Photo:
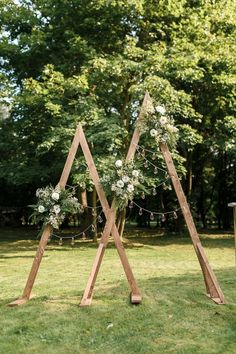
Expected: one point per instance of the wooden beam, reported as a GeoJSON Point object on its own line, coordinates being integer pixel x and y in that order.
{"type": "Point", "coordinates": [47, 229]}
{"type": "Point", "coordinates": [213, 289]}
{"type": "Point", "coordinates": [110, 228]}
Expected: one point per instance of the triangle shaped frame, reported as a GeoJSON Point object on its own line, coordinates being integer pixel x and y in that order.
{"type": "Point", "coordinates": [213, 289]}
{"type": "Point", "coordinates": [80, 139]}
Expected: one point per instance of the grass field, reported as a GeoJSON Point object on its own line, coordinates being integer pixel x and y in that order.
{"type": "Point", "coordinates": [174, 317]}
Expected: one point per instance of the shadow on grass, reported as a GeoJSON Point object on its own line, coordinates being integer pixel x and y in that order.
{"type": "Point", "coordinates": [189, 287]}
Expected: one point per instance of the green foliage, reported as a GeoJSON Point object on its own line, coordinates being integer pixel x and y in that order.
{"type": "Point", "coordinates": [91, 62]}
{"type": "Point", "coordinates": [54, 205]}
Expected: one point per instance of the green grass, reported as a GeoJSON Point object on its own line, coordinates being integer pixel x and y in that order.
{"type": "Point", "coordinates": [174, 317]}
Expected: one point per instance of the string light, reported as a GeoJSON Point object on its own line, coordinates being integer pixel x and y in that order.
{"type": "Point", "coordinates": [152, 217]}
{"type": "Point", "coordinates": [153, 213]}
{"type": "Point", "coordinates": [131, 204]}
{"type": "Point", "coordinates": [154, 192]}
{"type": "Point", "coordinates": [143, 195]}
{"type": "Point", "coordinates": [100, 219]}
{"type": "Point", "coordinates": [83, 233]}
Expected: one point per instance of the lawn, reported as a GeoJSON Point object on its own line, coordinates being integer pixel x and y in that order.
{"type": "Point", "coordinates": [174, 317]}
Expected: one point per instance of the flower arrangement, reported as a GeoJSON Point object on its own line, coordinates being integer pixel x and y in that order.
{"type": "Point", "coordinates": [160, 125]}
{"type": "Point", "coordinates": [53, 205]}
{"type": "Point", "coordinates": [122, 182]}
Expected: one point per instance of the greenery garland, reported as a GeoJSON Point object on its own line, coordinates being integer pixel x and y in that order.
{"type": "Point", "coordinates": [160, 125]}
{"type": "Point", "coordinates": [53, 205]}
{"type": "Point", "coordinates": [122, 182]}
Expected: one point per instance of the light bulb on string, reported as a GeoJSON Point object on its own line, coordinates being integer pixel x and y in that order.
{"type": "Point", "coordinates": [163, 217]}
{"type": "Point", "coordinates": [154, 192]}
{"type": "Point", "coordinates": [131, 204]}
{"type": "Point", "coordinates": [93, 228]}
{"type": "Point", "coordinates": [143, 152]}
{"type": "Point", "coordinates": [143, 195]}
{"type": "Point", "coordinates": [175, 216]}
{"type": "Point", "coordinates": [155, 170]}
{"type": "Point", "coordinates": [60, 243]}
{"type": "Point", "coordinates": [93, 211]}
{"type": "Point", "coordinates": [153, 157]}
{"type": "Point", "coordinates": [140, 211]}
{"type": "Point", "coordinates": [145, 164]}
{"type": "Point", "coordinates": [72, 241]}
{"type": "Point", "coordinates": [152, 217]}
{"type": "Point", "coordinates": [100, 219]}
{"type": "Point", "coordinates": [83, 236]}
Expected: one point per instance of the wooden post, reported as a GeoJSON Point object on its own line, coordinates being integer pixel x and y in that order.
{"type": "Point", "coordinates": [47, 229]}
{"type": "Point", "coordinates": [212, 286]}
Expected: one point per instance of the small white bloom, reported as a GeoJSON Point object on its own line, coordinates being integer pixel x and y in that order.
{"type": "Point", "coordinates": [130, 188]}
{"type": "Point", "coordinates": [163, 120]}
{"type": "Point", "coordinates": [41, 209]}
{"type": "Point", "coordinates": [125, 179]}
{"type": "Point", "coordinates": [160, 109]}
{"type": "Point", "coordinates": [120, 183]}
{"type": "Point", "coordinates": [56, 209]}
{"type": "Point", "coordinates": [135, 173]}
{"type": "Point", "coordinates": [153, 132]}
{"type": "Point", "coordinates": [55, 195]}
{"type": "Point", "coordinates": [113, 187]}
{"type": "Point", "coordinates": [118, 163]}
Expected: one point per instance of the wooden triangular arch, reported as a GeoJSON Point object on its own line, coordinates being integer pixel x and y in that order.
{"type": "Point", "coordinates": [79, 139]}
{"type": "Point", "coordinates": [212, 286]}
{"type": "Point", "coordinates": [213, 289]}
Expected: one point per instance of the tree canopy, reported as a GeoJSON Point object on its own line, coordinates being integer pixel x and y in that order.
{"type": "Point", "coordinates": [69, 61]}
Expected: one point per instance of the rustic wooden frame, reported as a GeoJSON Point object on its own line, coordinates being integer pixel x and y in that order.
{"type": "Point", "coordinates": [213, 289]}
{"type": "Point", "coordinates": [79, 139]}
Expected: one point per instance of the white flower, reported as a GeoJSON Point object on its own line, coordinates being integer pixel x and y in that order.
{"type": "Point", "coordinates": [55, 195]}
{"type": "Point", "coordinates": [41, 209]}
{"type": "Point", "coordinates": [118, 163]}
{"type": "Point", "coordinates": [113, 187]}
{"type": "Point", "coordinates": [135, 173]}
{"type": "Point", "coordinates": [130, 188]}
{"type": "Point", "coordinates": [56, 209]}
{"type": "Point", "coordinates": [163, 120]}
{"type": "Point", "coordinates": [120, 183]}
{"type": "Point", "coordinates": [160, 109]}
{"type": "Point", "coordinates": [125, 179]}
{"type": "Point", "coordinates": [153, 132]}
